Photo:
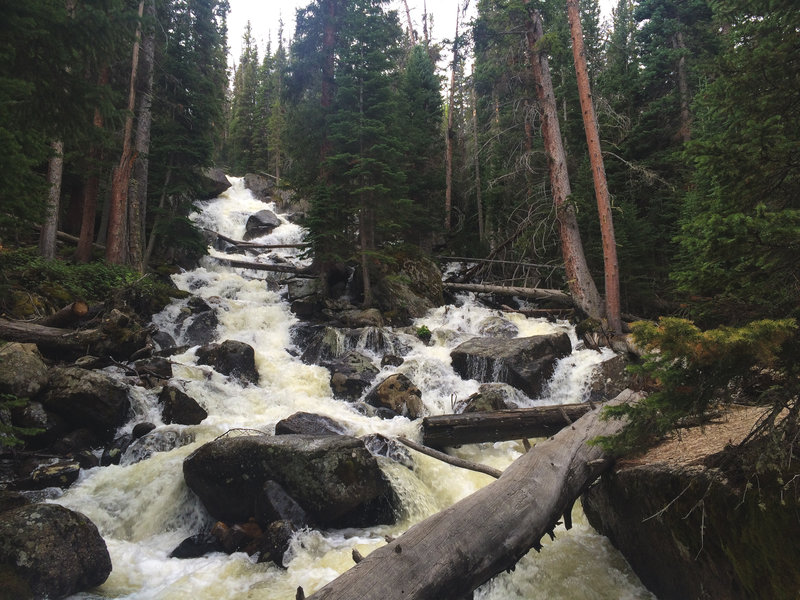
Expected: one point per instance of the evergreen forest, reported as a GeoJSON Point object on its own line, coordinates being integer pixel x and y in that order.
{"type": "Point", "coordinates": [685, 204]}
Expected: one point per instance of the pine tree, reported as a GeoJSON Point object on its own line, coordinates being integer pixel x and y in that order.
{"type": "Point", "coordinates": [243, 146]}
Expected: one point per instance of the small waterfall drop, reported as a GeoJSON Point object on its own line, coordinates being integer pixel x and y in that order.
{"type": "Point", "coordinates": [144, 510]}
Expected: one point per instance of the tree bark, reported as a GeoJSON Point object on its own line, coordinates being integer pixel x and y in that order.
{"type": "Point", "coordinates": [55, 168]}
{"type": "Point", "coordinates": [118, 226]}
{"type": "Point", "coordinates": [137, 191]}
{"type": "Point", "coordinates": [610, 263]}
{"type": "Point", "coordinates": [499, 425]}
{"type": "Point", "coordinates": [683, 88]}
{"type": "Point", "coordinates": [448, 555]}
{"type": "Point", "coordinates": [448, 157]}
{"type": "Point", "coordinates": [579, 279]}
{"type": "Point", "coordinates": [478, 184]}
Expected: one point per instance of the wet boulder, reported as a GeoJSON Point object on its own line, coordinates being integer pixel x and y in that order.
{"type": "Point", "coordinates": [211, 183]}
{"type": "Point", "coordinates": [309, 424]}
{"type": "Point", "coordinates": [231, 357]}
{"type": "Point", "coordinates": [53, 473]}
{"type": "Point", "coordinates": [491, 396]}
{"type": "Point", "coordinates": [380, 445]}
{"type": "Point", "coordinates": [112, 454]}
{"type": "Point", "coordinates": [48, 551]}
{"type": "Point", "coordinates": [275, 504]}
{"type": "Point", "coordinates": [162, 439]}
{"type": "Point", "coordinates": [498, 327]}
{"type": "Point", "coordinates": [178, 407]}
{"type": "Point", "coordinates": [351, 375]}
{"type": "Point", "coordinates": [610, 378]}
{"type": "Point", "coordinates": [196, 546]}
{"type": "Point", "coordinates": [333, 478]}
{"type": "Point", "coordinates": [275, 542]}
{"type": "Point", "coordinates": [261, 223]}
{"type": "Point", "coordinates": [22, 370]}
{"type": "Point", "coordinates": [399, 394]}
{"type": "Point", "coordinates": [44, 426]}
{"type": "Point", "coordinates": [525, 363]}
{"type": "Point", "coordinates": [88, 399]}
{"type": "Point", "coordinates": [260, 186]}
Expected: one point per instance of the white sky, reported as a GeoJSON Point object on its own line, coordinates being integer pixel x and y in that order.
{"type": "Point", "coordinates": [264, 16]}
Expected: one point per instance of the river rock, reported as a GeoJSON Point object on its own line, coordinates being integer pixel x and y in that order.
{"type": "Point", "coordinates": [399, 394]}
{"type": "Point", "coordinates": [231, 357]}
{"type": "Point", "coordinates": [491, 396]}
{"type": "Point", "coordinates": [48, 551]}
{"type": "Point", "coordinates": [525, 363]}
{"type": "Point", "coordinates": [687, 532]}
{"type": "Point", "coordinates": [260, 186]}
{"type": "Point", "coordinates": [334, 478]}
{"type": "Point", "coordinates": [211, 183]}
{"type": "Point", "coordinates": [351, 375]}
{"type": "Point", "coordinates": [498, 327]}
{"type": "Point", "coordinates": [34, 416]}
{"type": "Point", "coordinates": [88, 399]}
{"type": "Point", "coordinates": [59, 473]}
{"type": "Point", "coordinates": [162, 439]}
{"type": "Point", "coordinates": [196, 546]}
{"type": "Point", "coordinates": [309, 424]}
{"type": "Point", "coordinates": [275, 542]}
{"type": "Point", "coordinates": [112, 455]}
{"type": "Point", "coordinates": [178, 407]}
{"type": "Point", "coordinates": [22, 370]}
{"type": "Point", "coordinates": [610, 378]}
{"type": "Point", "coordinates": [261, 223]}
{"type": "Point", "coordinates": [302, 287]}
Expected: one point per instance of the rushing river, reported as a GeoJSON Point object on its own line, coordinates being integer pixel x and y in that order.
{"type": "Point", "coordinates": [144, 510]}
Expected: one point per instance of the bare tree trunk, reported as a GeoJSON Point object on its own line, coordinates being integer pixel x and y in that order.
{"type": "Point", "coordinates": [55, 167]}
{"type": "Point", "coordinates": [151, 242]}
{"type": "Point", "coordinates": [411, 37]}
{"type": "Point", "coordinates": [683, 89]}
{"type": "Point", "coordinates": [364, 235]}
{"type": "Point", "coordinates": [478, 185]}
{"type": "Point", "coordinates": [610, 263]}
{"type": "Point", "coordinates": [448, 157]}
{"type": "Point", "coordinates": [116, 242]}
{"type": "Point", "coordinates": [579, 279]}
{"type": "Point", "coordinates": [448, 555]}
{"type": "Point", "coordinates": [137, 191]}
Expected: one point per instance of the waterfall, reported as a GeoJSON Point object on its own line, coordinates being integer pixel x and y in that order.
{"type": "Point", "coordinates": [143, 508]}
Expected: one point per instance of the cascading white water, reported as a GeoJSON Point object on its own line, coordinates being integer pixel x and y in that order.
{"type": "Point", "coordinates": [144, 510]}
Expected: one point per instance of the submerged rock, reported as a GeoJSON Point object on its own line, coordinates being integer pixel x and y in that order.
{"type": "Point", "coordinates": [351, 375]}
{"type": "Point", "coordinates": [333, 478]}
{"type": "Point", "coordinates": [525, 363]}
{"type": "Point", "coordinates": [48, 551]}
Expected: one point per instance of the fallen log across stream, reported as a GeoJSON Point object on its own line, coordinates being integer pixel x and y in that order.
{"type": "Point", "coordinates": [274, 268]}
{"type": "Point", "coordinates": [448, 555]}
{"type": "Point", "coordinates": [499, 425]}
{"type": "Point", "coordinates": [555, 296]}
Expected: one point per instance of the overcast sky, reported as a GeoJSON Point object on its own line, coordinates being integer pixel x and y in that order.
{"type": "Point", "coordinates": [264, 16]}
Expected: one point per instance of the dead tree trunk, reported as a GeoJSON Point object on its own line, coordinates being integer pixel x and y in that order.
{"type": "Point", "coordinates": [610, 263]}
{"type": "Point", "coordinates": [581, 285]}
{"type": "Point", "coordinates": [499, 425]}
{"type": "Point", "coordinates": [448, 156]}
{"type": "Point", "coordinates": [556, 296]}
{"type": "Point", "coordinates": [55, 167]}
{"type": "Point", "coordinates": [450, 554]}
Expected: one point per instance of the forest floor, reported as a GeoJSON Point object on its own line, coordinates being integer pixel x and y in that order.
{"type": "Point", "coordinates": [694, 444]}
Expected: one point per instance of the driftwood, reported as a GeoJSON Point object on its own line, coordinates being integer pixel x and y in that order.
{"type": "Point", "coordinates": [450, 460]}
{"type": "Point", "coordinates": [69, 315]}
{"type": "Point", "coordinates": [448, 555]}
{"type": "Point", "coordinates": [499, 425]}
{"type": "Point", "coordinates": [556, 296]}
{"type": "Point", "coordinates": [246, 264]}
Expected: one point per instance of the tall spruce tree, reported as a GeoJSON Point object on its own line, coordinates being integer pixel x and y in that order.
{"type": "Point", "coordinates": [243, 144]}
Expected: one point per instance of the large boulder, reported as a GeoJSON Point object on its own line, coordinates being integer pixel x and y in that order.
{"type": "Point", "coordinates": [260, 186]}
{"type": "Point", "coordinates": [351, 375]}
{"type": "Point", "coordinates": [48, 551]}
{"type": "Point", "coordinates": [412, 288]}
{"type": "Point", "coordinates": [211, 183]}
{"type": "Point", "coordinates": [489, 397]}
{"type": "Point", "coordinates": [399, 394]}
{"type": "Point", "coordinates": [231, 357]}
{"type": "Point", "coordinates": [333, 478]}
{"type": "Point", "coordinates": [525, 363]}
{"type": "Point", "coordinates": [88, 399]}
{"type": "Point", "coordinates": [178, 407]}
{"type": "Point", "coordinates": [22, 370]}
{"type": "Point", "coordinates": [309, 424]}
{"type": "Point", "coordinates": [261, 223]}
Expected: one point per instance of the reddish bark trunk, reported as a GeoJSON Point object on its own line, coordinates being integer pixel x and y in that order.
{"type": "Point", "coordinates": [579, 279]}
{"type": "Point", "coordinates": [610, 263]}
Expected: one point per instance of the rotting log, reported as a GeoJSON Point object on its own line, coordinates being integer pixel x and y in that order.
{"type": "Point", "coordinates": [50, 338]}
{"type": "Point", "coordinates": [556, 296]}
{"type": "Point", "coordinates": [448, 555]}
{"type": "Point", "coordinates": [499, 425]}
{"type": "Point", "coordinates": [69, 315]}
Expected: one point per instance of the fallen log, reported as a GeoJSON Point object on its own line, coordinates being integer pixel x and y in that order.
{"type": "Point", "coordinates": [448, 555]}
{"type": "Point", "coordinates": [69, 315]}
{"type": "Point", "coordinates": [556, 296]}
{"type": "Point", "coordinates": [499, 425]}
{"type": "Point", "coordinates": [246, 264]}
{"type": "Point", "coordinates": [255, 245]}
{"type": "Point", "coordinates": [450, 460]}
